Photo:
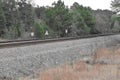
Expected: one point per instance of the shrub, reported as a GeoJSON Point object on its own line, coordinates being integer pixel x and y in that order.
{"type": "Point", "coordinates": [39, 29]}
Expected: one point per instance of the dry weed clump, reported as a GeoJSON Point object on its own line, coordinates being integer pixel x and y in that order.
{"type": "Point", "coordinates": [107, 56]}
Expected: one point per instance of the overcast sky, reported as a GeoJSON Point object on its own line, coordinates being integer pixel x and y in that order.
{"type": "Point", "coordinates": [94, 4]}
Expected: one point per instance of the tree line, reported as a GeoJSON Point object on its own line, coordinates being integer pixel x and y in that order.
{"type": "Point", "coordinates": [18, 17]}
{"type": "Point", "coordinates": [59, 18]}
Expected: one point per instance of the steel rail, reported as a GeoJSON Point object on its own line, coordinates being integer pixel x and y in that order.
{"type": "Point", "coordinates": [15, 43]}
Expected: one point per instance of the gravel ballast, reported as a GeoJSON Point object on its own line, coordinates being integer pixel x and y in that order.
{"type": "Point", "coordinates": [23, 61]}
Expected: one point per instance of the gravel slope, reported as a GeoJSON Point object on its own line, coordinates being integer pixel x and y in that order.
{"type": "Point", "coordinates": [27, 60]}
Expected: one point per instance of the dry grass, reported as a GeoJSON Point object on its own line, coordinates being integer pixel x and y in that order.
{"type": "Point", "coordinates": [108, 56]}
{"type": "Point", "coordinates": [84, 71]}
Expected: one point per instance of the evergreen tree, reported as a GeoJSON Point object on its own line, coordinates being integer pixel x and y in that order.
{"type": "Point", "coordinates": [26, 13]}
{"type": "Point", "coordinates": [58, 17]}
{"type": "Point", "coordinates": [83, 18]}
{"type": "Point", "coordinates": [2, 19]}
{"type": "Point", "coordinates": [115, 6]}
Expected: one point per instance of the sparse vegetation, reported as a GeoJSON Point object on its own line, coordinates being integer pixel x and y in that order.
{"type": "Point", "coordinates": [104, 66]}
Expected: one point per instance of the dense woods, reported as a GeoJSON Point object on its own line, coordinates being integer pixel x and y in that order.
{"type": "Point", "coordinates": [18, 18]}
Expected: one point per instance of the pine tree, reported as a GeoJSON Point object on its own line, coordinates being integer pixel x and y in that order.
{"type": "Point", "coordinates": [115, 6]}
{"type": "Point", "coordinates": [58, 17]}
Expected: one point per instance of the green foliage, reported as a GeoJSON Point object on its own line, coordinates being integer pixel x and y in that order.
{"type": "Point", "coordinates": [83, 17]}
{"type": "Point", "coordinates": [114, 18]}
{"type": "Point", "coordinates": [13, 33]}
{"type": "Point", "coordinates": [86, 29]}
{"type": "Point", "coordinates": [116, 8]}
{"type": "Point", "coordinates": [39, 29]}
{"type": "Point", "coordinates": [2, 18]}
{"type": "Point", "coordinates": [16, 16]}
{"type": "Point", "coordinates": [26, 14]}
{"type": "Point", "coordinates": [58, 17]}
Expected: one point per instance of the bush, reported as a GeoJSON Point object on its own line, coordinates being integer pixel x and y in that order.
{"type": "Point", "coordinates": [12, 33]}
{"type": "Point", "coordinates": [39, 29]}
{"type": "Point", "coordinates": [86, 29]}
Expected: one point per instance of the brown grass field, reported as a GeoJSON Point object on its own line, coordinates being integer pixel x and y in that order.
{"type": "Point", "coordinates": [105, 66]}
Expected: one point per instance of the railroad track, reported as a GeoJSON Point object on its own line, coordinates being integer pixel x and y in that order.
{"type": "Point", "coordinates": [14, 43]}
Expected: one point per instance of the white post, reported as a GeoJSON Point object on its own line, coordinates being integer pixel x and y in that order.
{"type": "Point", "coordinates": [46, 33]}
{"type": "Point", "coordinates": [32, 34]}
{"type": "Point", "coordinates": [66, 31]}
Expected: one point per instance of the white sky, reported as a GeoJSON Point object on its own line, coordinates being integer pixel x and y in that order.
{"type": "Point", "coordinates": [94, 4]}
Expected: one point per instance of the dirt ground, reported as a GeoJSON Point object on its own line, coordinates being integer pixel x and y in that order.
{"type": "Point", "coordinates": [105, 65]}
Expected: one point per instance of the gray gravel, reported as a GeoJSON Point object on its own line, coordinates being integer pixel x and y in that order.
{"type": "Point", "coordinates": [27, 60]}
